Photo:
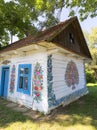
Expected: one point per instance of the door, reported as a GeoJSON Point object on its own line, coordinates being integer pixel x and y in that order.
{"type": "Point", "coordinates": [4, 82]}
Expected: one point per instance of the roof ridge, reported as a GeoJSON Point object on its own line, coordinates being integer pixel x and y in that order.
{"type": "Point", "coordinates": [61, 23]}
{"type": "Point", "coordinates": [41, 32]}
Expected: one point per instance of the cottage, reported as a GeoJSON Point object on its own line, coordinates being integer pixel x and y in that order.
{"type": "Point", "coordinates": [48, 70]}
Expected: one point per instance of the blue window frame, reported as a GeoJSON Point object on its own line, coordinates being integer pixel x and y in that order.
{"type": "Point", "coordinates": [24, 78]}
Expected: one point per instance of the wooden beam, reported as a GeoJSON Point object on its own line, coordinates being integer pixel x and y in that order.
{"type": "Point", "coordinates": [52, 51]}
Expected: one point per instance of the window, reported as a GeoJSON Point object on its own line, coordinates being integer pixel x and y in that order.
{"type": "Point", "coordinates": [71, 37]}
{"type": "Point", "coordinates": [24, 78]}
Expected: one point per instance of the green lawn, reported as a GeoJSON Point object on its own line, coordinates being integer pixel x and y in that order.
{"type": "Point", "coordinates": [80, 115]}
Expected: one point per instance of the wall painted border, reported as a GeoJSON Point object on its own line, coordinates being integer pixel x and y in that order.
{"type": "Point", "coordinates": [51, 95]}
{"type": "Point", "coordinates": [70, 98]}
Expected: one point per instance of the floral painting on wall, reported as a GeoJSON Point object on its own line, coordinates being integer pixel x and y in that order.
{"type": "Point", "coordinates": [38, 82]}
{"type": "Point", "coordinates": [51, 95]}
{"type": "Point", "coordinates": [71, 75]}
{"type": "Point", "coordinates": [12, 79]}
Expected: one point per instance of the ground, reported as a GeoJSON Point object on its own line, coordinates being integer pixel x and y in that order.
{"type": "Point", "coordinates": [79, 115]}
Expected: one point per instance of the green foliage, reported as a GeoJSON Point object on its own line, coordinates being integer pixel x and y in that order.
{"type": "Point", "coordinates": [93, 38]}
{"type": "Point", "coordinates": [22, 17]}
{"type": "Point", "coordinates": [90, 76]}
{"type": "Point", "coordinates": [94, 56]}
{"type": "Point", "coordinates": [92, 65]}
{"type": "Point", "coordinates": [85, 8]}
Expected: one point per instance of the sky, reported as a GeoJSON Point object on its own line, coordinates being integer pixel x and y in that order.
{"type": "Point", "coordinates": [86, 25]}
{"type": "Point", "coordinates": [89, 23]}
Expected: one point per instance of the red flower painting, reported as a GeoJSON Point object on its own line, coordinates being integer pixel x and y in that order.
{"type": "Point", "coordinates": [38, 82]}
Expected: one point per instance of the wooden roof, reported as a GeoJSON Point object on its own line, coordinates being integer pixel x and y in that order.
{"type": "Point", "coordinates": [50, 34]}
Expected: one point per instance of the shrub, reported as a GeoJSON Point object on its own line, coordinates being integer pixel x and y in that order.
{"type": "Point", "coordinates": [90, 76]}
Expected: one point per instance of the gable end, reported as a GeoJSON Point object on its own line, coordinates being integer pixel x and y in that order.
{"type": "Point", "coordinates": [72, 39]}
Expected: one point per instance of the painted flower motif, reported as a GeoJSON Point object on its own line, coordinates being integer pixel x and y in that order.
{"type": "Point", "coordinates": [37, 94]}
{"type": "Point", "coordinates": [34, 76]}
{"type": "Point", "coordinates": [37, 73]}
{"type": "Point", "coordinates": [71, 75]}
{"type": "Point", "coordinates": [51, 95]}
{"type": "Point", "coordinates": [12, 80]}
{"type": "Point", "coordinates": [40, 88]}
{"type": "Point", "coordinates": [41, 77]}
{"type": "Point", "coordinates": [38, 82]}
{"type": "Point", "coordinates": [36, 88]}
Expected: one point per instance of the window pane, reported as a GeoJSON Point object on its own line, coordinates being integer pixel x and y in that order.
{"type": "Point", "coordinates": [71, 37]}
{"type": "Point", "coordinates": [24, 78]}
{"type": "Point", "coordinates": [25, 83]}
{"type": "Point", "coordinates": [21, 82]}
{"type": "Point", "coordinates": [21, 70]}
{"type": "Point", "coordinates": [26, 71]}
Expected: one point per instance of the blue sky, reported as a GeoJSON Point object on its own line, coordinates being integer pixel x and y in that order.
{"type": "Point", "coordinates": [89, 23]}
{"type": "Point", "coordinates": [85, 25]}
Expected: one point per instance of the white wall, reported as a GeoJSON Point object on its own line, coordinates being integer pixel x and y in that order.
{"type": "Point", "coordinates": [24, 99]}
{"type": "Point", "coordinates": [60, 62]}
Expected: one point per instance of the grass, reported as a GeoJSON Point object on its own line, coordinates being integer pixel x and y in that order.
{"type": "Point", "coordinates": [79, 115]}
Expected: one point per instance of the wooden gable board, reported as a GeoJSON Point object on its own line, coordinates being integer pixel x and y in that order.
{"type": "Point", "coordinates": [61, 39]}
{"type": "Point", "coordinates": [80, 35]}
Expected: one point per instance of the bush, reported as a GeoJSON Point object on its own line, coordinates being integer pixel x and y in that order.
{"type": "Point", "coordinates": [90, 76]}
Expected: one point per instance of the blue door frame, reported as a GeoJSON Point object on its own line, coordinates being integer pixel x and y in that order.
{"type": "Point", "coordinates": [4, 82]}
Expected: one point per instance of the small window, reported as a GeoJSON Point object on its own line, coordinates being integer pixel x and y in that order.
{"type": "Point", "coordinates": [21, 82]}
{"type": "Point", "coordinates": [24, 78]}
{"type": "Point", "coordinates": [71, 38]}
{"type": "Point", "coordinates": [26, 83]}
{"type": "Point", "coordinates": [26, 70]}
{"type": "Point", "coordinates": [21, 70]}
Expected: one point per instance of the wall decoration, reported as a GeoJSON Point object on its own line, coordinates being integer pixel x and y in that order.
{"type": "Point", "coordinates": [51, 95]}
{"type": "Point", "coordinates": [38, 82]}
{"type": "Point", "coordinates": [71, 75]}
{"type": "Point", "coordinates": [71, 97]}
{"type": "Point", "coordinates": [6, 62]}
{"type": "Point", "coordinates": [12, 79]}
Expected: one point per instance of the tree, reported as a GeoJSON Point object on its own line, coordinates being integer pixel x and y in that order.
{"type": "Point", "coordinates": [92, 65]}
{"type": "Point", "coordinates": [15, 20]}
{"type": "Point", "coordinates": [84, 8]}
{"type": "Point", "coordinates": [92, 42]}
{"type": "Point", "coordinates": [93, 38]}
{"type": "Point", "coordinates": [21, 18]}
{"type": "Point", "coordinates": [26, 17]}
